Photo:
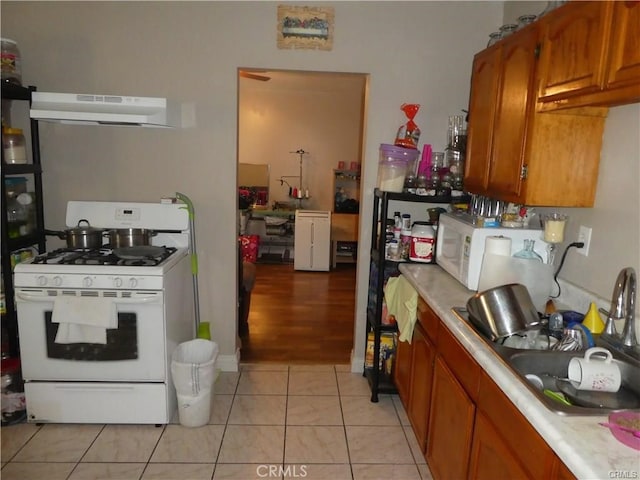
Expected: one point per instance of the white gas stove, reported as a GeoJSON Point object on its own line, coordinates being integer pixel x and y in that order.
{"type": "Point", "coordinates": [101, 268]}
{"type": "Point", "coordinates": [97, 327]}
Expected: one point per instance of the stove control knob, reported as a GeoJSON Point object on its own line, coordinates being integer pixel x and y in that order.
{"type": "Point", "coordinates": [87, 281]}
{"type": "Point", "coordinates": [57, 281]}
{"type": "Point", "coordinates": [117, 282]}
{"type": "Point", "coordinates": [133, 282]}
{"type": "Point", "coordinates": [41, 280]}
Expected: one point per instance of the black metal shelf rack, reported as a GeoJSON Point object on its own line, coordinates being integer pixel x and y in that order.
{"type": "Point", "coordinates": [10, 342]}
{"type": "Point", "coordinates": [380, 270]}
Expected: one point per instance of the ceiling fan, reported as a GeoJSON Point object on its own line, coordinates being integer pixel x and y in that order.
{"type": "Point", "coordinates": [254, 75]}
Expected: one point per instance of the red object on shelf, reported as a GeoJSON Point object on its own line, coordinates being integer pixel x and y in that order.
{"type": "Point", "coordinates": [249, 245]}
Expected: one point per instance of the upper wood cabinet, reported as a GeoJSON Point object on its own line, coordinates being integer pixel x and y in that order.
{"type": "Point", "coordinates": [484, 92]}
{"type": "Point", "coordinates": [590, 55]}
{"type": "Point", "coordinates": [512, 117]}
{"type": "Point", "coordinates": [517, 154]}
{"type": "Point", "coordinates": [573, 49]}
{"type": "Point", "coordinates": [623, 67]}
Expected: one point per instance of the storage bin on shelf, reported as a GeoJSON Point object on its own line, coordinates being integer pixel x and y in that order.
{"type": "Point", "coordinates": [393, 166]}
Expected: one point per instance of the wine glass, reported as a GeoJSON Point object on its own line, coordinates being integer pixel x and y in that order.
{"type": "Point", "coordinates": [554, 224]}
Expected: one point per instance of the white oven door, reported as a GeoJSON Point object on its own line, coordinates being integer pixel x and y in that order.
{"type": "Point", "coordinates": [134, 351]}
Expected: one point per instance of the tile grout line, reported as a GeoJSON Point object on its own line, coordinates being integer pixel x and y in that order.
{"type": "Point", "coordinates": [286, 408]}
{"type": "Point", "coordinates": [344, 426]}
{"type": "Point", "coordinates": [148, 462]}
{"type": "Point", "coordinates": [24, 444]}
{"type": "Point", "coordinates": [226, 422]}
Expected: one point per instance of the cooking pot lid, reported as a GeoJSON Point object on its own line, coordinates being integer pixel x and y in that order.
{"type": "Point", "coordinates": [621, 399]}
{"type": "Point", "coordinates": [84, 228]}
{"type": "Point", "coordinates": [138, 252]}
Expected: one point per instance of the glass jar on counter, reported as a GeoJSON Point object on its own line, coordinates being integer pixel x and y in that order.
{"type": "Point", "coordinates": [457, 182]}
{"type": "Point", "coordinates": [11, 62]}
{"type": "Point", "coordinates": [14, 146]}
{"type": "Point", "coordinates": [20, 215]}
{"type": "Point", "coordinates": [437, 163]}
{"type": "Point", "coordinates": [410, 184]}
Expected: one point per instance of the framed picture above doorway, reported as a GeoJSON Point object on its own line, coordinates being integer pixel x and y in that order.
{"type": "Point", "coordinates": [305, 27]}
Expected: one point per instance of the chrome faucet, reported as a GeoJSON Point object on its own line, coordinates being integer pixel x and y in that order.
{"type": "Point", "coordinates": [623, 306]}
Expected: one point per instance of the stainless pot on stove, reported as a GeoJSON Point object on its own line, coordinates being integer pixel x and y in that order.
{"type": "Point", "coordinates": [130, 237]}
{"type": "Point", "coordinates": [83, 236]}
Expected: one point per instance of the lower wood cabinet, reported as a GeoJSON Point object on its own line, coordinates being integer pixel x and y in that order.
{"type": "Point", "coordinates": [525, 444]}
{"type": "Point", "coordinates": [465, 424]}
{"type": "Point", "coordinates": [561, 472]}
{"type": "Point", "coordinates": [450, 425]}
{"type": "Point", "coordinates": [402, 372]}
{"type": "Point", "coordinates": [491, 457]}
{"type": "Point", "coordinates": [424, 353]}
{"type": "Point", "coordinates": [414, 371]}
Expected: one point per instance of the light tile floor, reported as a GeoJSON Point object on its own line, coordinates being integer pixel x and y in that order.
{"type": "Point", "coordinates": [267, 422]}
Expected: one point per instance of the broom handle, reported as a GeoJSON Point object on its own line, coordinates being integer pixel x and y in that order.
{"type": "Point", "coordinates": [194, 256]}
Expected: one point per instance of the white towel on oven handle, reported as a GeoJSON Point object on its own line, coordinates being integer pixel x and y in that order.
{"type": "Point", "coordinates": [83, 319]}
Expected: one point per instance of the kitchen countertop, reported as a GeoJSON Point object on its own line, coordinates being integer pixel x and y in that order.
{"type": "Point", "coordinates": [587, 449]}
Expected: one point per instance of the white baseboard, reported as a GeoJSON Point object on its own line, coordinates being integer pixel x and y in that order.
{"type": "Point", "coordinates": [229, 363]}
{"type": "Point", "coordinates": [356, 364]}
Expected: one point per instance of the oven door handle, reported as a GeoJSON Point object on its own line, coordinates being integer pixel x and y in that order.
{"type": "Point", "coordinates": [118, 301]}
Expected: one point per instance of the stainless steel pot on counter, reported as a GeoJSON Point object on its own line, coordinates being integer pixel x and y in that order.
{"type": "Point", "coordinates": [502, 311]}
{"type": "Point", "coordinates": [130, 237]}
{"type": "Point", "coordinates": [84, 236]}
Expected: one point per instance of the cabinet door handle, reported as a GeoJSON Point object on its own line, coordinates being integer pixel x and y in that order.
{"type": "Point", "coordinates": [536, 51]}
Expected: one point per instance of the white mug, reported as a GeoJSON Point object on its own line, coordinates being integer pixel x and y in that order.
{"type": "Point", "coordinates": [595, 372]}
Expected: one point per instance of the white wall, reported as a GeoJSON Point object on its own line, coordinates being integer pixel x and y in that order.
{"type": "Point", "coordinates": [414, 52]}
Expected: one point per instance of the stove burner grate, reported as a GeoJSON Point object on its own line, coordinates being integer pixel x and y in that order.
{"type": "Point", "coordinates": [100, 256]}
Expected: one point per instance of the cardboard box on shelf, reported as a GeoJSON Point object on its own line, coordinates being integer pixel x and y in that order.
{"type": "Point", "coordinates": [387, 351]}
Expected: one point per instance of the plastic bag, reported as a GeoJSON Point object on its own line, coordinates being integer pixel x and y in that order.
{"type": "Point", "coordinates": [193, 366]}
{"type": "Point", "coordinates": [409, 133]}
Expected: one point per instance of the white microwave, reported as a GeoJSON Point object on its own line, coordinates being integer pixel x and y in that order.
{"type": "Point", "coordinates": [460, 245]}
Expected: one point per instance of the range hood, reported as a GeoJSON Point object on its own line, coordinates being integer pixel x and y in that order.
{"type": "Point", "coordinates": [89, 109]}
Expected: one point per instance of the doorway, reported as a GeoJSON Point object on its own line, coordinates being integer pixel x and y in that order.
{"type": "Point", "coordinates": [280, 113]}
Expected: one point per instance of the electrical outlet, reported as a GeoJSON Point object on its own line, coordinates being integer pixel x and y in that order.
{"type": "Point", "coordinates": [584, 236]}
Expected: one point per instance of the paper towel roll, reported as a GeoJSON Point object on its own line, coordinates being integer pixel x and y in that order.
{"type": "Point", "coordinates": [498, 245]}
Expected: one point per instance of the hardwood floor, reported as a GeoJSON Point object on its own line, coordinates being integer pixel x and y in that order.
{"type": "Point", "coordinates": [301, 317]}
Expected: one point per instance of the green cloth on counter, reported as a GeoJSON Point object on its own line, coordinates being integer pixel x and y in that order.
{"type": "Point", "coordinates": [402, 302]}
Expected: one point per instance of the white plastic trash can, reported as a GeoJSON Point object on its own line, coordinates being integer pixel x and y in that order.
{"type": "Point", "coordinates": [193, 368]}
